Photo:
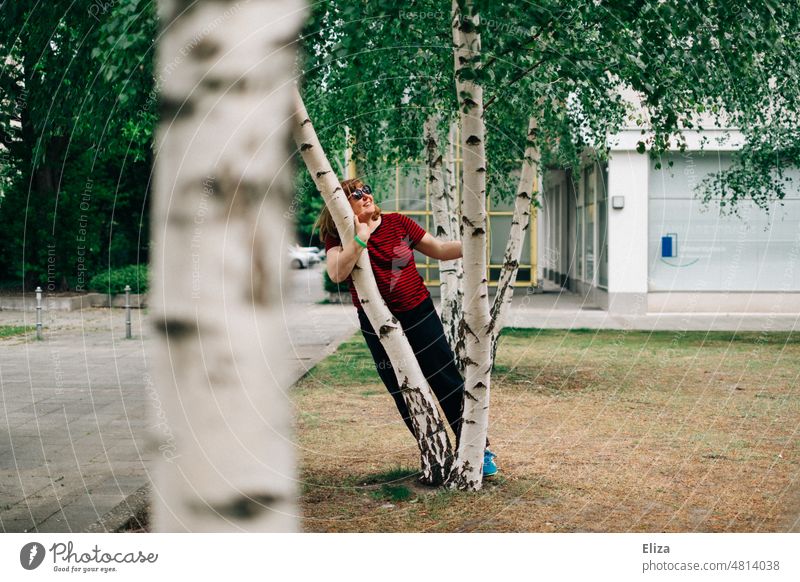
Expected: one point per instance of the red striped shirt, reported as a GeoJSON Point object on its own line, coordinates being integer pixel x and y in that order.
{"type": "Point", "coordinates": [392, 258]}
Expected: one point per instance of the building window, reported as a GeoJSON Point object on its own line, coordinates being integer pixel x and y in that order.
{"type": "Point", "coordinates": [588, 223]}
{"type": "Point", "coordinates": [602, 225]}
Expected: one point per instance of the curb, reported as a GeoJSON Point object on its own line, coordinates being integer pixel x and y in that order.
{"type": "Point", "coordinates": [27, 302]}
{"type": "Point", "coordinates": [127, 516]}
{"type": "Point", "coordinates": [329, 349]}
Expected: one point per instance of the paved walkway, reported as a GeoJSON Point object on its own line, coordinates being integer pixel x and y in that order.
{"type": "Point", "coordinates": [556, 310]}
{"type": "Point", "coordinates": [74, 411]}
{"type": "Point", "coordinates": [74, 408]}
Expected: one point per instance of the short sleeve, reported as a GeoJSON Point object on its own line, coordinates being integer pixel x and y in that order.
{"type": "Point", "coordinates": [332, 241]}
{"type": "Point", "coordinates": [414, 231]}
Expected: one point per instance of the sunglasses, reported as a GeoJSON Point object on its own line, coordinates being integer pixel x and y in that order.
{"type": "Point", "coordinates": [359, 193]}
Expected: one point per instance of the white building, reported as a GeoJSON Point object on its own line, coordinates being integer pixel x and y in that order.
{"type": "Point", "coordinates": [635, 239]}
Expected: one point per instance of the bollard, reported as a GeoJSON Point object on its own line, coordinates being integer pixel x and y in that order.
{"type": "Point", "coordinates": [38, 313]}
{"type": "Point", "coordinates": [128, 312]}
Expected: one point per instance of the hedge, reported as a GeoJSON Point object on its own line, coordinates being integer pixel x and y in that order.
{"type": "Point", "coordinates": [114, 280]}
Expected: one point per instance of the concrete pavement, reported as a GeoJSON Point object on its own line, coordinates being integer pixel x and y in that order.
{"type": "Point", "coordinates": [564, 310]}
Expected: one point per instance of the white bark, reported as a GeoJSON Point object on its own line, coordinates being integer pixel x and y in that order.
{"type": "Point", "coordinates": [520, 222]}
{"type": "Point", "coordinates": [455, 328]}
{"type": "Point", "coordinates": [467, 468]}
{"type": "Point", "coordinates": [434, 444]}
{"type": "Point", "coordinates": [444, 209]}
{"type": "Point", "coordinates": [223, 423]}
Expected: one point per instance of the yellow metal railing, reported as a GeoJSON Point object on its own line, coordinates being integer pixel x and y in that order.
{"type": "Point", "coordinates": [429, 264]}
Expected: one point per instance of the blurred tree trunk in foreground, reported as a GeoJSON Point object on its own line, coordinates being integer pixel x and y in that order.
{"type": "Point", "coordinates": [221, 194]}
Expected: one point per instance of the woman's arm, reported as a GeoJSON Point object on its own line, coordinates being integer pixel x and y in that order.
{"type": "Point", "coordinates": [436, 249]}
{"type": "Point", "coordinates": [341, 260]}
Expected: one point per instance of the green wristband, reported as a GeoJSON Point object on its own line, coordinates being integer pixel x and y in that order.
{"type": "Point", "coordinates": [361, 242]}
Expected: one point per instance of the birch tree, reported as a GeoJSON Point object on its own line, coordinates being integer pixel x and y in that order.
{"type": "Point", "coordinates": [432, 439]}
{"type": "Point", "coordinates": [440, 174]}
{"type": "Point", "coordinates": [520, 222]}
{"type": "Point", "coordinates": [477, 334]}
{"type": "Point", "coordinates": [222, 189]}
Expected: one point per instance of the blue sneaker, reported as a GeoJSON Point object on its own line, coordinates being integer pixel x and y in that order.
{"type": "Point", "coordinates": [489, 466]}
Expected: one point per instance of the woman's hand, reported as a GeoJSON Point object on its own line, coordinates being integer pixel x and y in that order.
{"type": "Point", "coordinates": [362, 229]}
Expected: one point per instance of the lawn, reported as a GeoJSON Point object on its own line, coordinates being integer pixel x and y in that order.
{"type": "Point", "coordinates": [13, 330]}
{"type": "Point", "coordinates": [607, 431]}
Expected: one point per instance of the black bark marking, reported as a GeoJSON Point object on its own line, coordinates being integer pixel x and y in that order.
{"type": "Point", "coordinates": [320, 174]}
{"type": "Point", "coordinates": [478, 231]}
{"type": "Point", "coordinates": [480, 385]}
{"type": "Point", "coordinates": [212, 186]}
{"type": "Point", "coordinates": [178, 329]}
{"type": "Point", "coordinates": [242, 85]}
{"type": "Point", "coordinates": [473, 139]}
{"type": "Point", "coordinates": [481, 170]}
{"type": "Point", "coordinates": [466, 221]}
{"type": "Point", "coordinates": [440, 231]}
{"type": "Point", "coordinates": [245, 506]}
{"type": "Point", "coordinates": [205, 49]}
{"type": "Point", "coordinates": [470, 396]}
{"type": "Point", "coordinates": [305, 147]}
{"type": "Point", "coordinates": [173, 109]}
{"type": "Point", "coordinates": [384, 330]}
{"type": "Point", "coordinates": [213, 84]}
{"type": "Point", "coordinates": [182, 9]}
{"type": "Point", "coordinates": [261, 275]}
{"type": "Point", "coordinates": [249, 191]}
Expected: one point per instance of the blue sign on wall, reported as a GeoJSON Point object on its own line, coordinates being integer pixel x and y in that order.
{"type": "Point", "coordinates": [669, 245]}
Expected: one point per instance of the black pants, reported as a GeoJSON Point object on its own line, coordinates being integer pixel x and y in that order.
{"type": "Point", "coordinates": [424, 331]}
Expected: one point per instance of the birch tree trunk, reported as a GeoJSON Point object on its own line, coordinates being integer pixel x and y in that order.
{"type": "Point", "coordinates": [444, 209]}
{"type": "Point", "coordinates": [520, 222]}
{"type": "Point", "coordinates": [467, 469]}
{"type": "Point", "coordinates": [222, 188]}
{"type": "Point", "coordinates": [434, 444]}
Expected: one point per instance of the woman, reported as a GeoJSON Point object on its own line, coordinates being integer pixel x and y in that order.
{"type": "Point", "coordinates": [390, 239]}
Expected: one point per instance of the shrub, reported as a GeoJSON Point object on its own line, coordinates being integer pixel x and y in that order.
{"type": "Point", "coordinates": [332, 287]}
{"type": "Point", "coordinates": [114, 280]}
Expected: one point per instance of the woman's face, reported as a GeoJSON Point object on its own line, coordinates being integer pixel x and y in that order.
{"type": "Point", "coordinates": [363, 208]}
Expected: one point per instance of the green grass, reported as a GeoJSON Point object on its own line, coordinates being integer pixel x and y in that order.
{"type": "Point", "coordinates": [351, 364]}
{"type": "Point", "coordinates": [12, 330]}
{"type": "Point", "coordinates": [394, 493]}
{"type": "Point", "coordinates": [388, 477]}
{"type": "Point", "coordinates": [686, 338]}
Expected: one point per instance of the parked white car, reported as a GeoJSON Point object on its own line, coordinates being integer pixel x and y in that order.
{"type": "Point", "coordinates": [303, 257]}
{"type": "Point", "coordinates": [319, 254]}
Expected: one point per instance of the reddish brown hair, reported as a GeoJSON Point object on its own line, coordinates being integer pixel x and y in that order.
{"type": "Point", "coordinates": [325, 221]}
